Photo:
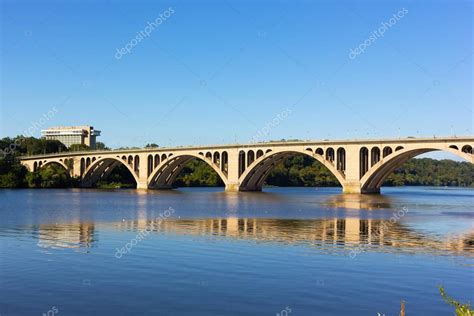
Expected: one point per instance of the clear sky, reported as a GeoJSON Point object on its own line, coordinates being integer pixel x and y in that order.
{"type": "Point", "coordinates": [218, 71]}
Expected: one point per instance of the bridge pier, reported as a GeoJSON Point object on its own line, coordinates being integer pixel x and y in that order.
{"type": "Point", "coordinates": [142, 185]}
{"type": "Point", "coordinates": [353, 187]}
{"type": "Point", "coordinates": [356, 188]}
{"type": "Point", "coordinates": [232, 187]}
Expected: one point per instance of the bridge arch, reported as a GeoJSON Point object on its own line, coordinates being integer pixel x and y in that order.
{"type": "Point", "coordinates": [374, 177]}
{"type": "Point", "coordinates": [387, 150]}
{"type": "Point", "coordinates": [330, 154]}
{"type": "Point", "coordinates": [136, 163]}
{"type": "Point", "coordinates": [253, 178]}
{"type": "Point", "coordinates": [101, 168]}
{"type": "Point", "coordinates": [157, 160]}
{"type": "Point", "coordinates": [341, 159]}
{"type": "Point", "coordinates": [225, 162]}
{"type": "Point", "coordinates": [242, 164]}
{"type": "Point", "coordinates": [250, 157]}
{"type": "Point", "coordinates": [149, 166]}
{"type": "Point", "coordinates": [41, 165]}
{"type": "Point", "coordinates": [374, 155]}
{"type": "Point", "coordinates": [467, 149]}
{"type": "Point", "coordinates": [164, 176]}
{"type": "Point", "coordinates": [217, 158]}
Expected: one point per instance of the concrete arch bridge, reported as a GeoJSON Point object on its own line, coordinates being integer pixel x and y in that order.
{"type": "Point", "coordinates": [361, 166]}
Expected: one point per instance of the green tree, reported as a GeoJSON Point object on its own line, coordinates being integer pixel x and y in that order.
{"type": "Point", "coordinates": [79, 147]}
{"type": "Point", "coordinates": [101, 146]}
{"type": "Point", "coordinates": [152, 145]}
{"type": "Point", "coordinates": [33, 179]}
{"type": "Point", "coordinates": [198, 173]}
{"type": "Point", "coordinates": [120, 177]}
{"type": "Point", "coordinates": [12, 173]}
{"type": "Point", "coordinates": [50, 176]}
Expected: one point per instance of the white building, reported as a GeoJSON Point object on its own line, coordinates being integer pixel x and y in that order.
{"type": "Point", "coordinates": [69, 135]}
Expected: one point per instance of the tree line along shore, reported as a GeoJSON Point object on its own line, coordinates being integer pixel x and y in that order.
{"type": "Point", "coordinates": [298, 170]}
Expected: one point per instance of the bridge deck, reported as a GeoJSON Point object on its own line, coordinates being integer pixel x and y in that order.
{"type": "Point", "coordinates": [412, 140]}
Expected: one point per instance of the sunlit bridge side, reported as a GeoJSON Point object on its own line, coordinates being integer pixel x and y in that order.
{"type": "Point", "coordinates": [360, 166]}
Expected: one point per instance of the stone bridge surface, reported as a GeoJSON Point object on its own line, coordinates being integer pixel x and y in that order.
{"type": "Point", "coordinates": [361, 166]}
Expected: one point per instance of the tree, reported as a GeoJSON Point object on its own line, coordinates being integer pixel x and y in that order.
{"type": "Point", "coordinates": [120, 177]}
{"type": "Point", "coordinates": [101, 146]}
{"type": "Point", "coordinates": [32, 146]}
{"type": "Point", "coordinates": [52, 146]}
{"type": "Point", "coordinates": [152, 145]}
{"type": "Point", "coordinates": [12, 173]}
{"type": "Point", "coordinates": [14, 178]}
{"type": "Point", "coordinates": [198, 173]}
{"type": "Point", "coordinates": [33, 179]}
{"type": "Point", "coordinates": [50, 176]}
{"type": "Point", "coordinates": [79, 147]}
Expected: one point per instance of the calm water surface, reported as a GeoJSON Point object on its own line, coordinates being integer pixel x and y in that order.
{"type": "Point", "coordinates": [206, 252]}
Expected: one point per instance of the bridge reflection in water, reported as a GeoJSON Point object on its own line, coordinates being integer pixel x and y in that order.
{"type": "Point", "coordinates": [69, 235]}
{"type": "Point", "coordinates": [331, 235]}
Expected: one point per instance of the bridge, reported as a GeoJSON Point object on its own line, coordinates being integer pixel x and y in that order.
{"type": "Point", "coordinates": [360, 166]}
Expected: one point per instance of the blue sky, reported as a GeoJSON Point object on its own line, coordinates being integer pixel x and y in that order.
{"type": "Point", "coordinates": [217, 71]}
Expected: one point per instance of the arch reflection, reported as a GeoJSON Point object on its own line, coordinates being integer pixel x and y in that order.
{"type": "Point", "coordinates": [324, 234]}
{"type": "Point", "coordinates": [70, 235]}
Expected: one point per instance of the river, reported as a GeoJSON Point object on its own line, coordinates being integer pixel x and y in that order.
{"type": "Point", "coordinates": [201, 251]}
